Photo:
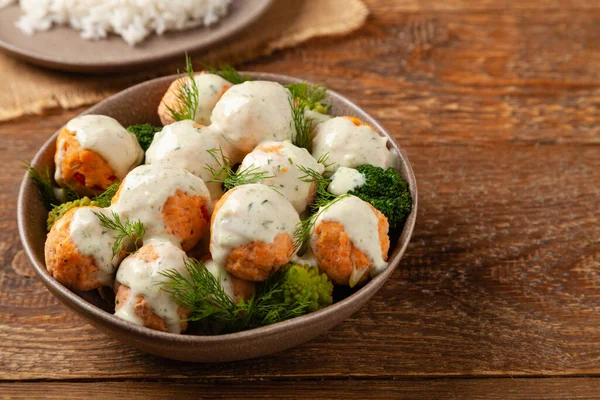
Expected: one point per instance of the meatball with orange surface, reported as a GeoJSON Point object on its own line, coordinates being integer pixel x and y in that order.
{"type": "Point", "coordinates": [93, 152]}
{"type": "Point", "coordinates": [350, 240]}
{"type": "Point", "coordinates": [252, 230]}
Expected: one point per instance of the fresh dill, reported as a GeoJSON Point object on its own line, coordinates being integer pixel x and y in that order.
{"type": "Point", "coordinates": [203, 294]}
{"type": "Point", "coordinates": [229, 73]}
{"type": "Point", "coordinates": [230, 178]}
{"type": "Point", "coordinates": [322, 196]}
{"type": "Point", "coordinates": [302, 124]}
{"type": "Point", "coordinates": [103, 199]}
{"type": "Point", "coordinates": [187, 95]}
{"type": "Point", "coordinates": [43, 181]}
{"type": "Point", "coordinates": [126, 233]}
{"type": "Point", "coordinates": [304, 228]}
{"type": "Point", "coordinates": [311, 97]}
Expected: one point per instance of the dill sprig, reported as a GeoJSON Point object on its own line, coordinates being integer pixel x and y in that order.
{"type": "Point", "coordinates": [304, 228]}
{"type": "Point", "coordinates": [45, 185]}
{"type": "Point", "coordinates": [302, 124]}
{"type": "Point", "coordinates": [230, 178]}
{"type": "Point", "coordinates": [229, 73]}
{"type": "Point", "coordinates": [187, 95]}
{"type": "Point", "coordinates": [310, 96]}
{"type": "Point", "coordinates": [103, 199]}
{"type": "Point", "coordinates": [128, 232]}
{"type": "Point", "coordinates": [203, 294]}
{"type": "Point", "coordinates": [322, 196]}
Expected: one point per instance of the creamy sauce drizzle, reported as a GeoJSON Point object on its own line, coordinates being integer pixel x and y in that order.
{"type": "Point", "coordinates": [146, 189]}
{"type": "Point", "coordinates": [185, 145]}
{"type": "Point", "coordinates": [282, 165]}
{"type": "Point", "coordinates": [316, 117]}
{"type": "Point", "coordinates": [93, 240]}
{"type": "Point", "coordinates": [210, 87]}
{"type": "Point", "coordinates": [349, 145]}
{"type": "Point", "coordinates": [219, 272]}
{"type": "Point", "coordinates": [345, 180]}
{"type": "Point", "coordinates": [362, 226]}
{"type": "Point", "coordinates": [253, 112]}
{"type": "Point", "coordinates": [251, 213]}
{"type": "Point", "coordinates": [107, 137]}
{"type": "Point", "coordinates": [143, 278]}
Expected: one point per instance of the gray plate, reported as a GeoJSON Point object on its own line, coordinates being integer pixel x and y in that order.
{"type": "Point", "coordinates": [62, 48]}
{"type": "Point", "coordinates": [138, 105]}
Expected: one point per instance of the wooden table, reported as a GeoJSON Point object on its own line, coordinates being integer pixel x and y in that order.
{"type": "Point", "coordinates": [497, 106]}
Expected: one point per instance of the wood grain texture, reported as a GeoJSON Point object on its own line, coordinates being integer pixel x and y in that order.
{"type": "Point", "coordinates": [448, 389]}
{"type": "Point", "coordinates": [498, 113]}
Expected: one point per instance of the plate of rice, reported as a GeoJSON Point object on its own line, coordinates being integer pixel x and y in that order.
{"type": "Point", "coordinates": [117, 35]}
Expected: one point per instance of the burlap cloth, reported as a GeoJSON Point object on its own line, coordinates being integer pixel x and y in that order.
{"type": "Point", "coordinates": [26, 89]}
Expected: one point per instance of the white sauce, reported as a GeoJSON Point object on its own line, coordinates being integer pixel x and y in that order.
{"type": "Point", "coordinates": [105, 136]}
{"type": "Point", "coordinates": [349, 145]}
{"type": "Point", "coordinates": [362, 226]}
{"type": "Point", "coordinates": [183, 144]}
{"type": "Point", "coordinates": [143, 278]}
{"type": "Point", "coordinates": [210, 88]}
{"type": "Point", "coordinates": [58, 156]}
{"type": "Point", "coordinates": [345, 180]}
{"type": "Point", "coordinates": [93, 240]}
{"type": "Point", "coordinates": [317, 117]}
{"type": "Point", "coordinates": [251, 213]}
{"type": "Point", "coordinates": [308, 258]}
{"type": "Point", "coordinates": [253, 112]}
{"type": "Point", "coordinates": [282, 165]}
{"type": "Point", "coordinates": [146, 189]}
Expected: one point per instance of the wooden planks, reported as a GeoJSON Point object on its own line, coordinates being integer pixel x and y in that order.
{"type": "Point", "coordinates": [497, 107]}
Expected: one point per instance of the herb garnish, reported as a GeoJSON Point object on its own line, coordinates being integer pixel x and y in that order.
{"type": "Point", "coordinates": [187, 95]}
{"type": "Point", "coordinates": [128, 232]}
{"type": "Point", "coordinates": [203, 294]}
{"type": "Point", "coordinates": [229, 73]}
{"type": "Point", "coordinates": [228, 177]}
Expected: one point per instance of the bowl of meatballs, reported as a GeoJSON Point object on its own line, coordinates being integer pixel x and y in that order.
{"type": "Point", "coordinates": [217, 215]}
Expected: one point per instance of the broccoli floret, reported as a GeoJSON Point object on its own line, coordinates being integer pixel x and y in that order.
{"type": "Point", "coordinates": [387, 191]}
{"type": "Point", "coordinates": [58, 211]}
{"type": "Point", "coordinates": [144, 134]}
{"type": "Point", "coordinates": [301, 282]}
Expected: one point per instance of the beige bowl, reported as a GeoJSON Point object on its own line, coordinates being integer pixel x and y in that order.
{"type": "Point", "coordinates": [138, 105]}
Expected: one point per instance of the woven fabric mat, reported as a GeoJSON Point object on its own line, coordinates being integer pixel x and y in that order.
{"type": "Point", "coordinates": [27, 89]}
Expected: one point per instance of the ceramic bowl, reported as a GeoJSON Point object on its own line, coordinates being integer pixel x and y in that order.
{"type": "Point", "coordinates": [138, 104]}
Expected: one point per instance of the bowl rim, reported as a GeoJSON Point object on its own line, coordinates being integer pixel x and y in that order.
{"type": "Point", "coordinates": [81, 305]}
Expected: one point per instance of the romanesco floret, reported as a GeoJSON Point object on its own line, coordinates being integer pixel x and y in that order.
{"type": "Point", "coordinates": [144, 134]}
{"type": "Point", "coordinates": [302, 281]}
{"type": "Point", "coordinates": [58, 211]}
{"type": "Point", "coordinates": [387, 191]}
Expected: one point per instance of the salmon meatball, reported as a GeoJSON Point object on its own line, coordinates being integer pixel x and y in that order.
{"type": "Point", "coordinates": [350, 241]}
{"type": "Point", "coordinates": [139, 295]}
{"type": "Point", "coordinates": [190, 146]}
{"type": "Point", "coordinates": [166, 200]}
{"type": "Point", "coordinates": [210, 89]}
{"type": "Point", "coordinates": [252, 230]}
{"type": "Point", "coordinates": [282, 162]}
{"type": "Point", "coordinates": [253, 112]}
{"type": "Point", "coordinates": [78, 250]}
{"type": "Point", "coordinates": [348, 142]}
{"type": "Point", "coordinates": [237, 289]}
{"type": "Point", "coordinates": [93, 152]}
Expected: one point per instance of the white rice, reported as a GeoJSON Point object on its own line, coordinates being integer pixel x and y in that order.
{"type": "Point", "coordinates": [134, 20]}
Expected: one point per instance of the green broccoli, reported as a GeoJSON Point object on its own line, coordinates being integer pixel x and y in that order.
{"type": "Point", "coordinates": [144, 134]}
{"type": "Point", "coordinates": [302, 282]}
{"type": "Point", "coordinates": [387, 191]}
{"type": "Point", "coordinates": [58, 211]}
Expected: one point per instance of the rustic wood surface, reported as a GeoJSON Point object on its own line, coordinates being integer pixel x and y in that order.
{"type": "Point", "coordinates": [497, 106]}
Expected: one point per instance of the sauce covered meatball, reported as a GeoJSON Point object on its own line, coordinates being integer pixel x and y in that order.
{"type": "Point", "coordinates": [281, 161]}
{"type": "Point", "coordinates": [253, 112]}
{"type": "Point", "coordinates": [252, 229]}
{"type": "Point", "coordinates": [139, 295]}
{"type": "Point", "coordinates": [167, 200]}
{"type": "Point", "coordinates": [350, 240]}
{"type": "Point", "coordinates": [78, 250]}
{"type": "Point", "coordinates": [210, 89]}
{"type": "Point", "coordinates": [348, 142]}
{"type": "Point", "coordinates": [93, 152]}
